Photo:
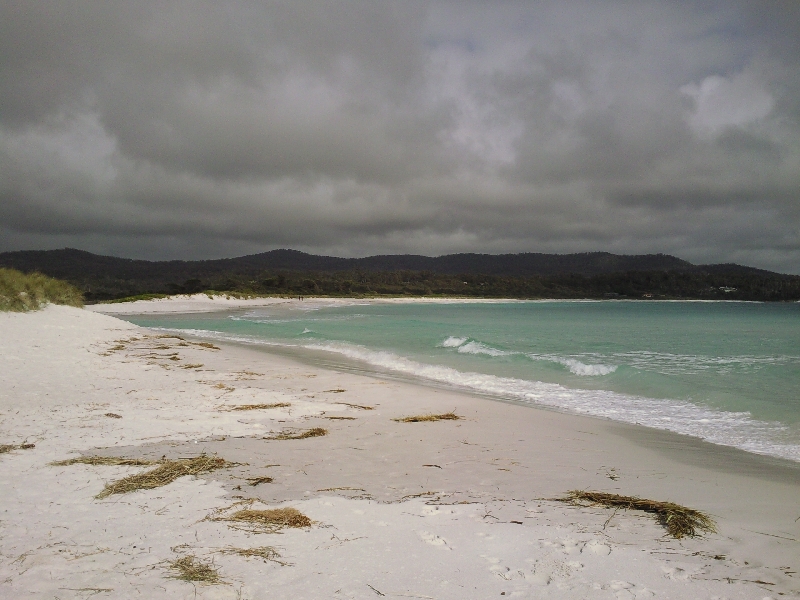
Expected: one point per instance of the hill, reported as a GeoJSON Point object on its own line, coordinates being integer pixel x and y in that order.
{"type": "Point", "coordinates": [528, 275]}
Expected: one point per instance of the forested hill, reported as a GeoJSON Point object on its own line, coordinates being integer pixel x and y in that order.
{"type": "Point", "coordinates": [70, 263]}
{"type": "Point", "coordinates": [529, 275]}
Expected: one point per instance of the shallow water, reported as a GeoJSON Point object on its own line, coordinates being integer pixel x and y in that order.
{"type": "Point", "coordinates": [726, 372]}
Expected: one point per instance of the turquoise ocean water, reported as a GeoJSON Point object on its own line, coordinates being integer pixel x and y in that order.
{"type": "Point", "coordinates": [726, 372]}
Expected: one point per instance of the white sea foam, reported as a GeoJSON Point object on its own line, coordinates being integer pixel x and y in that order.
{"type": "Point", "coordinates": [579, 368]}
{"type": "Point", "coordinates": [480, 348]}
{"type": "Point", "coordinates": [691, 364]}
{"type": "Point", "coordinates": [454, 342]}
{"type": "Point", "coordinates": [467, 346]}
{"type": "Point", "coordinates": [576, 366]}
{"type": "Point", "coordinates": [737, 429]}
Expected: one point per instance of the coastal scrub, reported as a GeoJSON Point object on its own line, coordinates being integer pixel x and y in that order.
{"type": "Point", "coordinates": [21, 292]}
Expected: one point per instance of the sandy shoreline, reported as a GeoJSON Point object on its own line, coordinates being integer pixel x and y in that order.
{"type": "Point", "coordinates": [202, 303]}
{"type": "Point", "coordinates": [424, 510]}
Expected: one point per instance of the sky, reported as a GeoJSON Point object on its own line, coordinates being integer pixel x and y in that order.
{"type": "Point", "coordinates": [193, 130]}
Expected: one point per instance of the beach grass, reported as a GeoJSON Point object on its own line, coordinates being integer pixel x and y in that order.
{"type": "Point", "coordinates": [678, 520]}
{"type": "Point", "coordinates": [451, 416]}
{"type": "Point", "coordinates": [165, 473]}
{"type": "Point", "coordinates": [136, 298]}
{"type": "Point", "coordinates": [21, 292]}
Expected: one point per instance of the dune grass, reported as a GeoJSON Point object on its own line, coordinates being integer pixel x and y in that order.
{"type": "Point", "coordinates": [21, 292]}
{"type": "Point", "coordinates": [137, 297]}
{"type": "Point", "coordinates": [165, 473]}
{"type": "Point", "coordinates": [190, 568]}
{"type": "Point", "coordinates": [678, 520]}
{"type": "Point", "coordinates": [451, 416]}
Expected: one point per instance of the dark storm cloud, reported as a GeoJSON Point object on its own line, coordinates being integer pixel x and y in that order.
{"type": "Point", "coordinates": [195, 130]}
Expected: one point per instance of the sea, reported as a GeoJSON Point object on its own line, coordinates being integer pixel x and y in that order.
{"type": "Point", "coordinates": [724, 372]}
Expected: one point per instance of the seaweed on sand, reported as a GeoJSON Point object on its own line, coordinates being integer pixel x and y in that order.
{"type": "Point", "coordinates": [451, 416]}
{"type": "Point", "coordinates": [678, 520]}
{"type": "Point", "coordinates": [299, 435]}
{"type": "Point", "coordinates": [265, 553]}
{"type": "Point", "coordinates": [190, 568]}
{"type": "Point", "coordinates": [105, 460]}
{"type": "Point", "coordinates": [165, 473]}
{"type": "Point", "coordinates": [241, 516]}
{"type": "Point", "coordinates": [9, 447]}
{"type": "Point", "coordinates": [260, 406]}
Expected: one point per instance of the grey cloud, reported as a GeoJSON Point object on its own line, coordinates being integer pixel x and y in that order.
{"type": "Point", "coordinates": [174, 130]}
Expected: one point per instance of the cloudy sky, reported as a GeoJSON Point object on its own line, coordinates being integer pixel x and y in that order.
{"type": "Point", "coordinates": [200, 130]}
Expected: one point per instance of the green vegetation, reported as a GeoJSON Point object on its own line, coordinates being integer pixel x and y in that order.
{"type": "Point", "coordinates": [525, 276]}
{"type": "Point", "coordinates": [138, 297]}
{"type": "Point", "coordinates": [22, 292]}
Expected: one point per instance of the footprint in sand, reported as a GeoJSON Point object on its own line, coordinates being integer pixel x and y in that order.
{"type": "Point", "coordinates": [625, 590]}
{"type": "Point", "coordinates": [502, 570]}
{"type": "Point", "coordinates": [676, 573]}
{"type": "Point", "coordinates": [596, 547]}
{"type": "Point", "coordinates": [432, 511]}
{"type": "Point", "coordinates": [433, 539]}
{"type": "Point", "coordinates": [565, 545]}
{"type": "Point", "coordinates": [550, 569]}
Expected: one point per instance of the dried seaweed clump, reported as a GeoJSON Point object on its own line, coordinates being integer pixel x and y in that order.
{"type": "Point", "coordinates": [260, 406]}
{"type": "Point", "coordinates": [190, 568]}
{"type": "Point", "coordinates": [265, 553]}
{"type": "Point", "coordinates": [105, 460]}
{"type": "Point", "coordinates": [165, 473]}
{"type": "Point", "coordinates": [678, 520]}
{"type": "Point", "coordinates": [299, 435]}
{"type": "Point", "coordinates": [9, 447]}
{"type": "Point", "coordinates": [451, 416]}
{"type": "Point", "coordinates": [259, 480]}
{"type": "Point", "coordinates": [269, 520]}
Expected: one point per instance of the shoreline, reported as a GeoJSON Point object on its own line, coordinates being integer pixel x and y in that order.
{"type": "Point", "coordinates": [195, 303]}
{"type": "Point", "coordinates": [681, 418]}
{"type": "Point", "coordinates": [72, 377]}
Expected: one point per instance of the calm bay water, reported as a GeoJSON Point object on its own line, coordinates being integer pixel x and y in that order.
{"type": "Point", "coordinates": [725, 372]}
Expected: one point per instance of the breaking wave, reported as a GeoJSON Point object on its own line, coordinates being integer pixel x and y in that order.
{"type": "Point", "coordinates": [728, 428]}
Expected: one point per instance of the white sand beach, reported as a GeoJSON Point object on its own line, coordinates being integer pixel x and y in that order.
{"type": "Point", "coordinates": [434, 510]}
{"type": "Point", "coordinates": [195, 303]}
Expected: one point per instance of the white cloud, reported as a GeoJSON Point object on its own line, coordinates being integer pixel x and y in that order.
{"type": "Point", "coordinates": [724, 102]}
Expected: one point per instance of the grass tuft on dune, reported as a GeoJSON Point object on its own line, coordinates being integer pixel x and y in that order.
{"type": "Point", "coordinates": [21, 292]}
